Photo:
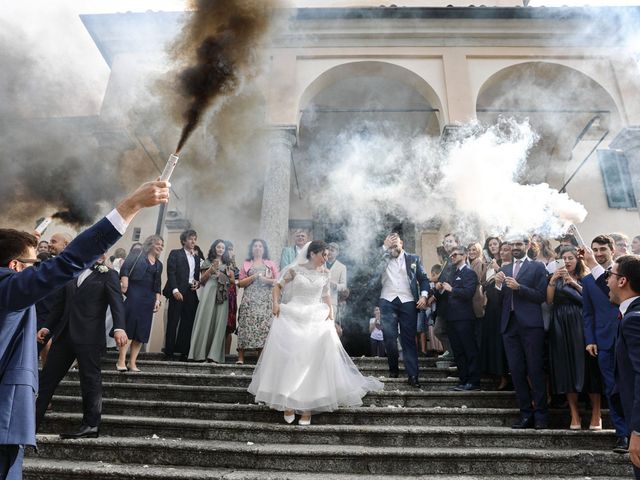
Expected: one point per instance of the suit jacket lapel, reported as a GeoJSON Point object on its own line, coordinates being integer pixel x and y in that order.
{"type": "Point", "coordinates": [87, 280]}
{"type": "Point", "coordinates": [524, 266]}
{"type": "Point", "coordinates": [407, 262]}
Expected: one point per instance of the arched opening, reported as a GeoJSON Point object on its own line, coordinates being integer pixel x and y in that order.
{"type": "Point", "coordinates": [570, 111]}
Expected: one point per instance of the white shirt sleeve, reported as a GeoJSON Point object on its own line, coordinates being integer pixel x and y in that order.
{"type": "Point", "coordinates": [117, 221]}
{"type": "Point", "coordinates": [597, 271]}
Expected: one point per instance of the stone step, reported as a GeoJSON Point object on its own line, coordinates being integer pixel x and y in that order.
{"type": "Point", "coordinates": [45, 469]}
{"type": "Point", "coordinates": [390, 415]}
{"type": "Point", "coordinates": [366, 435]}
{"type": "Point", "coordinates": [362, 460]}
{"type": "Point", "coordinates": [242, 380]}
{"type": "Point", "coordinates": [228, 368]}
{"type": "Point", "coordinates": [404, 398]}
{"type": "Point", "coordinates": [251, 359]}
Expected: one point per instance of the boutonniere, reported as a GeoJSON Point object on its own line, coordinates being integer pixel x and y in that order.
{"type": "Point", "coordinates": [413, 267]}
{"type": "Point", "coordinates": [100, 268]}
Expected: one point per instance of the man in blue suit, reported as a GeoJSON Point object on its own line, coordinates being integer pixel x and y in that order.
{"type": "Point", "coordinates": [600, 320]}
{"type": "Point", "coordinates": [524, 286]}
{"type": "Point", "coordinates": [623, 281]}
{"type": "Point", "coordinates": [404, 289]}
{"type": "Point", "coordinates": [20, 288]}
{"type": "Point", "coordinates": [461, 321]}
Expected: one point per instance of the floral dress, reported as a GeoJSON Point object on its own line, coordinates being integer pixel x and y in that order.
{"type": "Point", "coordinates": [254, 315]}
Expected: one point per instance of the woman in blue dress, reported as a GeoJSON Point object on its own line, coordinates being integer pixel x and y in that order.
{"type": "Point", "coordinates": [140, 280]}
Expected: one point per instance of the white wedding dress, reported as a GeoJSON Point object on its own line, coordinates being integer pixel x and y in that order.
{"type": "Point", "coordinates": [303, 366]}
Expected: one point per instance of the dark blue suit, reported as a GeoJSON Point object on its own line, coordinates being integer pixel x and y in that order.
{"type": "Point", "coordinates": [628, 367]}
{"type": "Point", "coordinates": [406, 314]}
{"type": "Point", "coordinates": [600, 325]}
{"type": "Point", "coordinates": [18, 352]}
{"type": "Point", "coordinates": [461, 324]}
{"type": "Point", "coordinates": [523, 336]}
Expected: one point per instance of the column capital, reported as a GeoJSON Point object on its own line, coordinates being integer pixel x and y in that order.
{"type": "Point", "coordinates": [285, 135]}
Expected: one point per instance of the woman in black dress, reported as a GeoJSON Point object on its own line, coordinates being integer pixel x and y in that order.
{"type": "Point", "coordinates": [140, 281]}
{"type": "Point", "coordinates": [493, 360]}
{"type": "Point", "coordinates": [573, 370]}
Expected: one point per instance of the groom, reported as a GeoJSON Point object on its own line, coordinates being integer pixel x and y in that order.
{"type": "Point", "coordinates": [404, 289]}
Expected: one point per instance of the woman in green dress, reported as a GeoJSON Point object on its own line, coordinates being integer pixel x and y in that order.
{"type": "Point", "coordinates": [209, 327]}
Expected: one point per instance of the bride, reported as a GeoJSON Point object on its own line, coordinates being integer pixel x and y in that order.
{"type": "Point", "coordinates": [303, 368]}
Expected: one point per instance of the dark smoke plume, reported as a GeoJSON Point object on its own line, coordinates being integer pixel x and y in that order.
{"type": "Point", "coordinates": [217, 46]}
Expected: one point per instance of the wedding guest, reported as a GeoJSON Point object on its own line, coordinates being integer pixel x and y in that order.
{"type": "Point", "coordinates": [118, 259]}
{"type": "Point", "coordinates": [43, 246]}
{"type": "Point", "coordinates": [435, 345]}
{"type": "Point", "coordinates": [543, 252]}
{"type": "Point", "coordinates": [573, 370]}
{"type": "Point", "coordinates": [523, 286]}
{"type": "Point", "coordinates": [21, 287]}
{"type": "Point", "coordinates": [449, 242]}
{"type": "Point", "coordinates": [258, 275]}
{"type": "Point", "coordinates": [183, 275]}
{"type": "Point", "coordinates": [140, 282]}
{"type": "Point", "coordinates": [479, 266]}
{"type": "Point", "coordinates": [492, 248]}
{"type": "Point", "coordinates": [635, 245]}
{"type": "Point", "coordinates": [621, 245]}
{"type": "Point", "coordinates": [58, 242]}
{"type": "Point", "coordinates": [135, 247]}
{"type": "Point", "coordinates": [376, 337]}
{"type": "Point", "coordinates": [338, 278]}
{"type": "Point", "coordinates": [493, 360]}
{"type": "Point", "coordinates": [290, 253]}
{"type": "Point", "coordinates": [210, 325]}
{"type": "Point", "coordinates": [505, 254]}
{"type": "Point", "coordinates": [600, 324]}
{"type": "Point", "coordinates": [233, 296]}
{"type": "Point", "coordinates": [623, 282]}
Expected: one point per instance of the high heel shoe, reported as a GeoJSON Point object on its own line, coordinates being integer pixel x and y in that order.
{"type": "Point", "coordinates": [304, 421]}
{"type": "Point", "coordinates": [575, 426]}
{"type": "Point", "coordinates": [596, 427]}
{"type": "Point", "coordinates": [120, 369]}
{"type": "Point", "coordinates": [289, 418]}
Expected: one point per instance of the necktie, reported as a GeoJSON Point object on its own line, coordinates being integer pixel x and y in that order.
{"type": "Point", "coordinates": [619, 315]}
{"type": "Point", "coordinates": [516, 268]}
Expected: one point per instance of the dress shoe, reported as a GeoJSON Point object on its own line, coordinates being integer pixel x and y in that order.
{"type": "Point", "coordinates": [622, 445]}
{"type": "Point", "coordinates": [85, 431]}
{"type": "Point", "coordinates": [413, 381]}
{"type": "Point", "coordinates": [525, 422]}
{"type": "Point", "coordinates": [597, 427]}
{"type": "Point", "coordinates": [304, 421]}
{"type": "Point", "coordinates": [541, 425]}
{"type": "Point", "coordinates": [183, 358]}
{"type": "Point", "coordinates": [575, 426]}
{"type": "Point", "coordinates": [289, 418]}
{"type": "Point", "coordinates": [470, 387]}
{"type": "Point", "coordinates": [393, 374]}
{"type": "Point", "coordinates": [457, 388]}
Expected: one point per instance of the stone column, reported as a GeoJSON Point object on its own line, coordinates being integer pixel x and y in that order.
{"type": "Point", "coordinates": [274, 219]}
{"type": "Point", "coordinates": [628, 140]}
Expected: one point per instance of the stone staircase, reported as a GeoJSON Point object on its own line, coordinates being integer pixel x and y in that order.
{"type": "Point", "coordinates": [196, 421]}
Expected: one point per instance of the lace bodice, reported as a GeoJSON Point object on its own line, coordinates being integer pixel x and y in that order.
{"type": "Point", "coordinates": [307, 286]}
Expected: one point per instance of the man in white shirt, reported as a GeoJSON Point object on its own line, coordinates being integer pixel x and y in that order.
{"type": "Point", "coordinates": [405, 287]}
{"type": "Point", "coordinates": [183, 276]}
{"type": "Point", "coordinates": [338, 282]}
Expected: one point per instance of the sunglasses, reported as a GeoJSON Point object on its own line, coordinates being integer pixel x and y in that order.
{"type": "Point", "coordinates": [608, 273]}
{"type": "Point", "coordinates": [456, 255]}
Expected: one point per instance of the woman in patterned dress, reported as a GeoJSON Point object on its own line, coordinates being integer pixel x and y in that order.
{"type": "Point", "coordinates": [258, 275]}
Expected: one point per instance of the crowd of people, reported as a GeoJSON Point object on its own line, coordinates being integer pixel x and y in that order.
{"type": "Point", "coordinates": [540, 320]}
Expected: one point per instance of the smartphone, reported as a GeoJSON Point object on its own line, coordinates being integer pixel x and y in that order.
{"type": "Point", "coordinates": [560, 263]}
{"type": "Point", "coordinates": [487, 256]}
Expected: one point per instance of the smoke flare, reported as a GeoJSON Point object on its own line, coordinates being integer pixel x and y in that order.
{"type": "Point", "coordinates": [217, 45]}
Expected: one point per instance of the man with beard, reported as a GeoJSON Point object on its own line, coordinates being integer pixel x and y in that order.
{"type": "Point", "coordinates": [600, 324]}
{"type": "Point", "coordinates": [404, 288]}
{"type": "Point", "coordinates": [524, 286]}
{"type": "Point", "coordinates": [78, 317]}
{"type": "Point", "coordinates": [623, 281]}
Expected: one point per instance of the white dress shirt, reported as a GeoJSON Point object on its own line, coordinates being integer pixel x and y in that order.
{"type": "Point", "coordinates": [624, 306]}
{"type": "Point", "coordinates": [395, 282]}
{"type": "Point", "coordinates": [192, 268]}
{"type": "Point", "coordinates": [117, 221]}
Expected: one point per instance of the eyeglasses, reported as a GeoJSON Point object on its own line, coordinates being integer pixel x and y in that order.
{"type": "Point", "coordinates": [28, 261]}
{"type": "Point", "coordinates": [608, 273]}
{"type": "Point", "coordinates": [456, 255]}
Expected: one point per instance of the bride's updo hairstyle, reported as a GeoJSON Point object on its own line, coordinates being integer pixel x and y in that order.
{"type": "Point", "coordinates": [317, 246]}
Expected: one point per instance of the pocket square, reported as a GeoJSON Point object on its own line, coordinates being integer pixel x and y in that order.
{"type": "Point", "coordinates": [458, 278]}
